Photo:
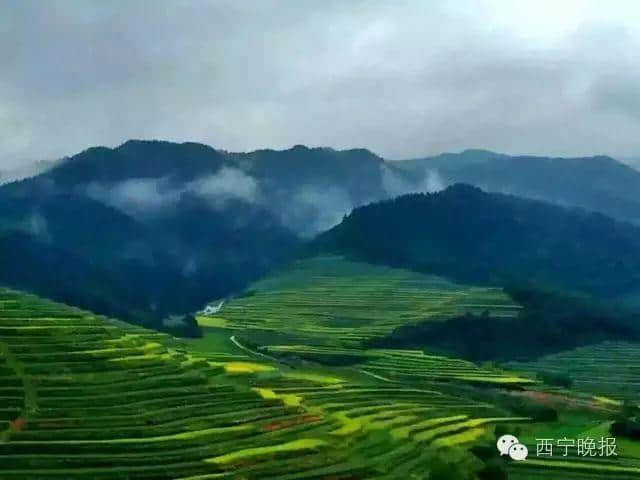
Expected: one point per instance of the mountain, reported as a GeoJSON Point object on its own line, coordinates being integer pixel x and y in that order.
{"type": "Point", "coordinates": [575, 273]}
{"type": "Point", "coordinates": [311, 189]}
{"type": "Point", "coordinates": [151, 229]}
{"type": "Point", "coordinates": [142, 237]}
{"type": "Point", "coordinates": [597, 183]}
{"type": "Point", "coordinates": [8, 175]}
{"type": "Point", "coordinates": [186, 222]}
{"type": "Point", "coordinates": [491, 238]}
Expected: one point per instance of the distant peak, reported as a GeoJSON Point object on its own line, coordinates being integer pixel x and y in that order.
{"type": "Point", "coordinates": [138, 141]}
{"type": "Point", "coordinates": [478, 151]}
{"type": "Point", "coordinates": [462, 188]}
{"type": "Point", "coordinates": [300, 148]}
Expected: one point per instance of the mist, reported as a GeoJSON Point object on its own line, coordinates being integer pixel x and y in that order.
{"type": "Point", "coordinates": [405, 79]}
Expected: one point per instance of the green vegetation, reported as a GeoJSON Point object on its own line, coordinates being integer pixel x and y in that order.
{"type": "Point", "coordinates": [331, 301]}
{"type": "Point", "coordinates": [549, 322]}
{"type": "Point", "coordinates": [86, 397]}
{"type": "Point", "coordinates": [607, 370]}
{"type": "Point", "coordinates": [483, 238]}
{"type": "Point", "coordinates": [323, 314]}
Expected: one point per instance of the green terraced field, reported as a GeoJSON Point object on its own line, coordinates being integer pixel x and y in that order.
{"type": "Point", "coordinates": [323, 309]}
{"type": "Point", "coordinates": [328, 300]}
{"type": "Point", "coordinates": [85, 397]}
{"type": "Point", "coordinates": [320, 311]}
{"type": "Point", "coordinates": [88, 398]}
{"type": "Point", "coordinates": [609, 369]}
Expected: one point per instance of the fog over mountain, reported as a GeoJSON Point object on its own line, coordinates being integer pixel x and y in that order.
{"type": "Point", "coordinates": [275, 119]}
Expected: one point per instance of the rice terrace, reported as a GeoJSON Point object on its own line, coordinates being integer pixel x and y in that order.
{"type": "Point", "coordinates": [88, 397]}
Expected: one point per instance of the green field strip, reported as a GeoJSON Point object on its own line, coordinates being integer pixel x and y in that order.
{"type": "Point", "coordinates": [303, 444]}
{"type": "Point", "coordinates": [406, 432]}
{"type": "Point", "coordinates": [610, 368]}
{"type": "Point", "coordinates": [575, 466]}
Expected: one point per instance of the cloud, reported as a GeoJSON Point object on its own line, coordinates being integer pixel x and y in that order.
{"type": "Point", "coordinates": [136, 196]}
{"type": "Point", "coordinates": [142, 196]}
{"type": "Point", "coordinates": [227, 183]}
{"type": "Point", "coordinates": [313, 208]}
{"type": "Point", "coordinates": [395, 184]}
{"type": "Point", "coordinates": [36, 224]}
{"type": "Point", "coordinates": [405, 78]}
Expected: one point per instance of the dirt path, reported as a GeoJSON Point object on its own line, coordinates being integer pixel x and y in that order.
{"type": "Point", "coordinates": [252, 352]}
{"type": "Point", "coordinates": [30, 391]}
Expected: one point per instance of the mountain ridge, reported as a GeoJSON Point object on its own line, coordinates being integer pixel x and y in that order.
{"type": "Point", "coordinates": [492, 238]}
{"type": "Point", "coordinates": [211, 220]}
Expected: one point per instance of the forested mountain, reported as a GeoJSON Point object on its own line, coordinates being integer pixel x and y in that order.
{"type": "Point", "coordinates": [490, 238]}
{"type": "Point", "coordinates": [597, 183]}
{"type": "Point", "coordinates": [183, 223]}
{"type": "Point", "coordinates": [102, 231]}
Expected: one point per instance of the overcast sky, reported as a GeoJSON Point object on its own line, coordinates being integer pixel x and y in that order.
{"type": "Point", "coordinates": [404, 78]}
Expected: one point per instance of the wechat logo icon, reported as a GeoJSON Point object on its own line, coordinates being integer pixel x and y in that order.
{"type": "Point", "coordinates": [511, 446]}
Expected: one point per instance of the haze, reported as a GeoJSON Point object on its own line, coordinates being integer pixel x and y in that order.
{"type": "Point", "coordinates": [402, 78]}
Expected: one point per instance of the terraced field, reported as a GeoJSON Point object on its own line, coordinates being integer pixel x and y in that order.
{"type": "Point", "coordinates": [87, 398]}
{"type": "Point", "coordinates": [323, 309]}
{"type": "Point", "coordinates": [624, 466]}
{"type": "Point", "coordinates": [609, 369]}
{"type": "Point", "coordinates": [90, 399]}
{"type": "Point", "coordinates": [331, 301]}
{"type": "Point", "coordinates": [321, 312]}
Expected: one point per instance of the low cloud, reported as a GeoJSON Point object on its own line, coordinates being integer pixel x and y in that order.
{"type": "Point", "coordinates": [135, 196]}
{"type": "Point", "coordinates": [395, 183]}
{"type": "Point", "coordinates": [227, 183]}
{"type": "Point", "coordinates": [36, 225]}
{"type": "Point", "coordinates": [142, 196]}
{"type": "Point", "coordinates": [314, 208]}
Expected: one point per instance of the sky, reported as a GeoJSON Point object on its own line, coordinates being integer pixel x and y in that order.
{"type": "Point", "coordinates": [404, 78]}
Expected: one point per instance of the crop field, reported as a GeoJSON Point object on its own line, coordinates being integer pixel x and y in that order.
{"type": "Point", "coordinates": [608, 370]}
{"type": "Point", "coordinates": [328, 300]}
{"type": "Point", "coordinates": [323, 309]}
{"type": "Point", "coordinates": [87, 398]}
{"type": "Point", "coordinates": [624, 466]}
{"type": "Point", "coordinates": [318, 314]}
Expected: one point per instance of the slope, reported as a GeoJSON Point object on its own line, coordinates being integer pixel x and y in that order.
{"type": "Point", "coordinates": [84, 397]}
{"type": "Point", "coordinates": [597, 183]}
{"type": "Point", "coordinates": [488, 238]}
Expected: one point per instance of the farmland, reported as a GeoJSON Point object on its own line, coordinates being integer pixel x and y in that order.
{"type": "Point", "coordinates": [608, 369]}
{"type": "Point", "coordinates": [331, 301]}
{"type": "Point", "coordinates": [320, 313]}
{"type": "Point", "coordinates": [86, 397]}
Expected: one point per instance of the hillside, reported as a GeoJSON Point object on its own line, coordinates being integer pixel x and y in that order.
{"type": "Point", "coordinates": [181, 222]}
{"type": "Point", "coordinates": [597, 183]}
{"type": "Point", "coordinates": [87, 398]}
{"type": "Point", "coordinates": [317, 315]}
{"type": "Point", "coordinates": [186, 222]}
{"type": "Point", "coordinates": [493, 239]}
{"type": "Point", "coordinates": [84, 397]}
{"type": "Point", "coordinates": [96, 232]}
